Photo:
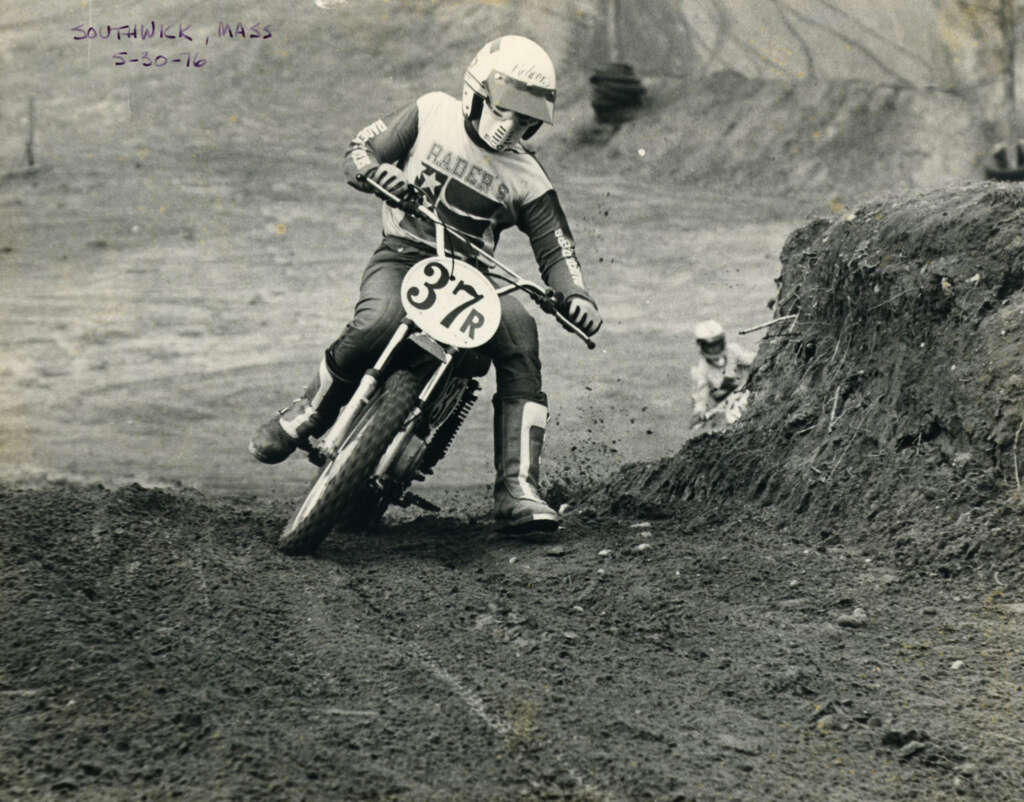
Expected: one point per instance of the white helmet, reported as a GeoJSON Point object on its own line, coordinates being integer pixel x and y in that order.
{"type": "Point", "coordinates": [711, 339]}
{"type": "Point", "coordinates": [508, 91]}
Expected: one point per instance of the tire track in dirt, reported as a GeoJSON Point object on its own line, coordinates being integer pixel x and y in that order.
{"type": "Point", "coordinates": [473, 690]}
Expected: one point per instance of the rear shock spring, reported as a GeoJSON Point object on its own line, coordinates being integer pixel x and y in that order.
{"type": "Point", "coordinates": [439, 444]}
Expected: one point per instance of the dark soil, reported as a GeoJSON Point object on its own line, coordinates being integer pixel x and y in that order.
{"type": "Point", "coordinates": [823, 603]}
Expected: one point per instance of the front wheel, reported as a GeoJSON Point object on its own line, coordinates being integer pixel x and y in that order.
{"type": "Point", "coordinates": [341, 493]}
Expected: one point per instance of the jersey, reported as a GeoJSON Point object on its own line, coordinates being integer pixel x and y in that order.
{"type": "Point", "coordinates": [477, 191]}
{"type": "Point", "coordinates": [712, 385]}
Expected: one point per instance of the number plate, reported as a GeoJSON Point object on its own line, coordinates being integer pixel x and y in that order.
{"type": "Point", "coordinates": [451, 301]}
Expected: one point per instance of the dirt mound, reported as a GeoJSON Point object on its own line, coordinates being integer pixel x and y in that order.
{"type": "Point", "coordinates": [891, 406]}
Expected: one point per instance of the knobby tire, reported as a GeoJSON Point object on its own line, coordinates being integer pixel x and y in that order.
{"type": "Point", "coordinates": [334, 496]}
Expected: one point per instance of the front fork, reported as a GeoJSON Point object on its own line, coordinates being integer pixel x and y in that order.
{"type": "Point", "coordinates": [408, 431]}
{"type": "Point", "coordinates": [330, 444]}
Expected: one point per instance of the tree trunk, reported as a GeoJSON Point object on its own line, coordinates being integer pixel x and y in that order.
{"type": "Point", "coordinates": [1009, 26]}
{"type": "Point", "coordinates": [612, 26]}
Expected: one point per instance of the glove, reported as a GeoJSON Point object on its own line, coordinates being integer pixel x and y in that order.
{"type": "Point", "coordinates": [583, 313]}
{"type": "Point", "coordinates": [390, 177]}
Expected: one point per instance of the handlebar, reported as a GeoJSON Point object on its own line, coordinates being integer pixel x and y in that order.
{"type": "Point", "coordinates": [414, 203]}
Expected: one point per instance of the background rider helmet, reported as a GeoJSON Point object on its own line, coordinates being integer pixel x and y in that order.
{"type": "Point", "coordinates": [711, 341]}
{"type": "Point", "coordinates": [508, 91]}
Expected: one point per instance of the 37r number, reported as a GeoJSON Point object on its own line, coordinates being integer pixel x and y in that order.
{"type": "Point", "coordinates": [439, 278]}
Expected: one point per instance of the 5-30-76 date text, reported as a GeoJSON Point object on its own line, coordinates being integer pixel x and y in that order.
{"type": "Point", "coordinates": [144, 59]}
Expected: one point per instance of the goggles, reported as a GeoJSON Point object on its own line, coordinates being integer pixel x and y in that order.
{"type": "Point", "coordinates": [506, 93]}
{"type": "Point", "coordinates": [712, 347]}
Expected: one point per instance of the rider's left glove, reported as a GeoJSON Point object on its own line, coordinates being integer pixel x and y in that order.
{"type": "Point", "coordinates": [584, 314]}
{"type": "Point", "coordinates": [390, 177]}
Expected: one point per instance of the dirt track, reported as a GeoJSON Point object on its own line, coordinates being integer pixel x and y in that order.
{"type": "Point", "coordinates": [158, 647]}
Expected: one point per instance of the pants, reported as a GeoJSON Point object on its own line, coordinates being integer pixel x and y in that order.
{"type": "Point", "coordinates": [514, 349]}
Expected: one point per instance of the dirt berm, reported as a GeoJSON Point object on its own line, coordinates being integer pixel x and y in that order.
{"type": "Point", "coordinates": [889, 404]}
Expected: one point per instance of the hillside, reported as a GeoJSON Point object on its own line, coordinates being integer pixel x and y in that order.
{"type": "Point", "coordinates": [796, 97]}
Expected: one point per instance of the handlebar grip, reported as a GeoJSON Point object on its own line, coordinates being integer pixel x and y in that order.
{"type": "Point", "coordinates": [570, 327]}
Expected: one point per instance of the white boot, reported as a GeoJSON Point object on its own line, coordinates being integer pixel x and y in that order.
{"type": "Point", "coordinates": [518, 440]}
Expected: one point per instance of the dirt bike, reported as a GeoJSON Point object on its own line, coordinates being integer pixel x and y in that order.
{"type": "Point", "coordinates": [408, 407]}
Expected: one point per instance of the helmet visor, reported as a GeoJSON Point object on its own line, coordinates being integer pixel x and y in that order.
{"type": "Point", "coordinates": [714, 346]}
{"type": "Point", "coordinates": [527, 99]}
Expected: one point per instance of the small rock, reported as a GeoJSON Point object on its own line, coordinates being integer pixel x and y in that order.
{"type": "Point", "coordinates": [857, 618]}
{"type": "Point", "coordinates": [640, 525]}
{"type": "Point", "coordinates": [826, 723]}
{"type": "Point", "coordinates": [897, 736]}
{"type": "Point", "coordinates": [740, 745]}
{"type": "Point", "coordinates": [564, 508]}
{"type": "Point", "coordinates": [604, 553]}
{"type": "Point", "coordinates": [641, 547]}
{"type": "Point", "coordinates": [966, 769]}
{"type": "Point", "coordinates": [578, 609]}
{"type": "Point", "coordinates": [956, 665]}
{"type": "Point", "coordinates": [512, 560]}
{"type": "Point", "coordinates": [556, 551]}
{"type": "Point", "coordinates": [963, 458]}
{"type": "Point", "coordinates": [908, 750]}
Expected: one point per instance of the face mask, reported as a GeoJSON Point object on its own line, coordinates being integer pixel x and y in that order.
{"type": "Point", "coordinates": [503, 129]}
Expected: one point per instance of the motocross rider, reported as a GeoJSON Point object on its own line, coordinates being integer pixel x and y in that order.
{"type": "Point", "coordinates": [719, 376]}
{"type": "Point", "coordinates": [469, 160]}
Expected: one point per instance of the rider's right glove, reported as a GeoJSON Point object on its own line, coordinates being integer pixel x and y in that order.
{"type": "Point", "coordinates": [584, 314]}
{"type": "Point", "coordinates": [390, 177]}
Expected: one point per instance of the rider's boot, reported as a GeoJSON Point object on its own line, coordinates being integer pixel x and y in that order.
{"type": "Point", "coordinates": [309, 415]}
{"type": "Point", "coordinates": [518, 439]}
